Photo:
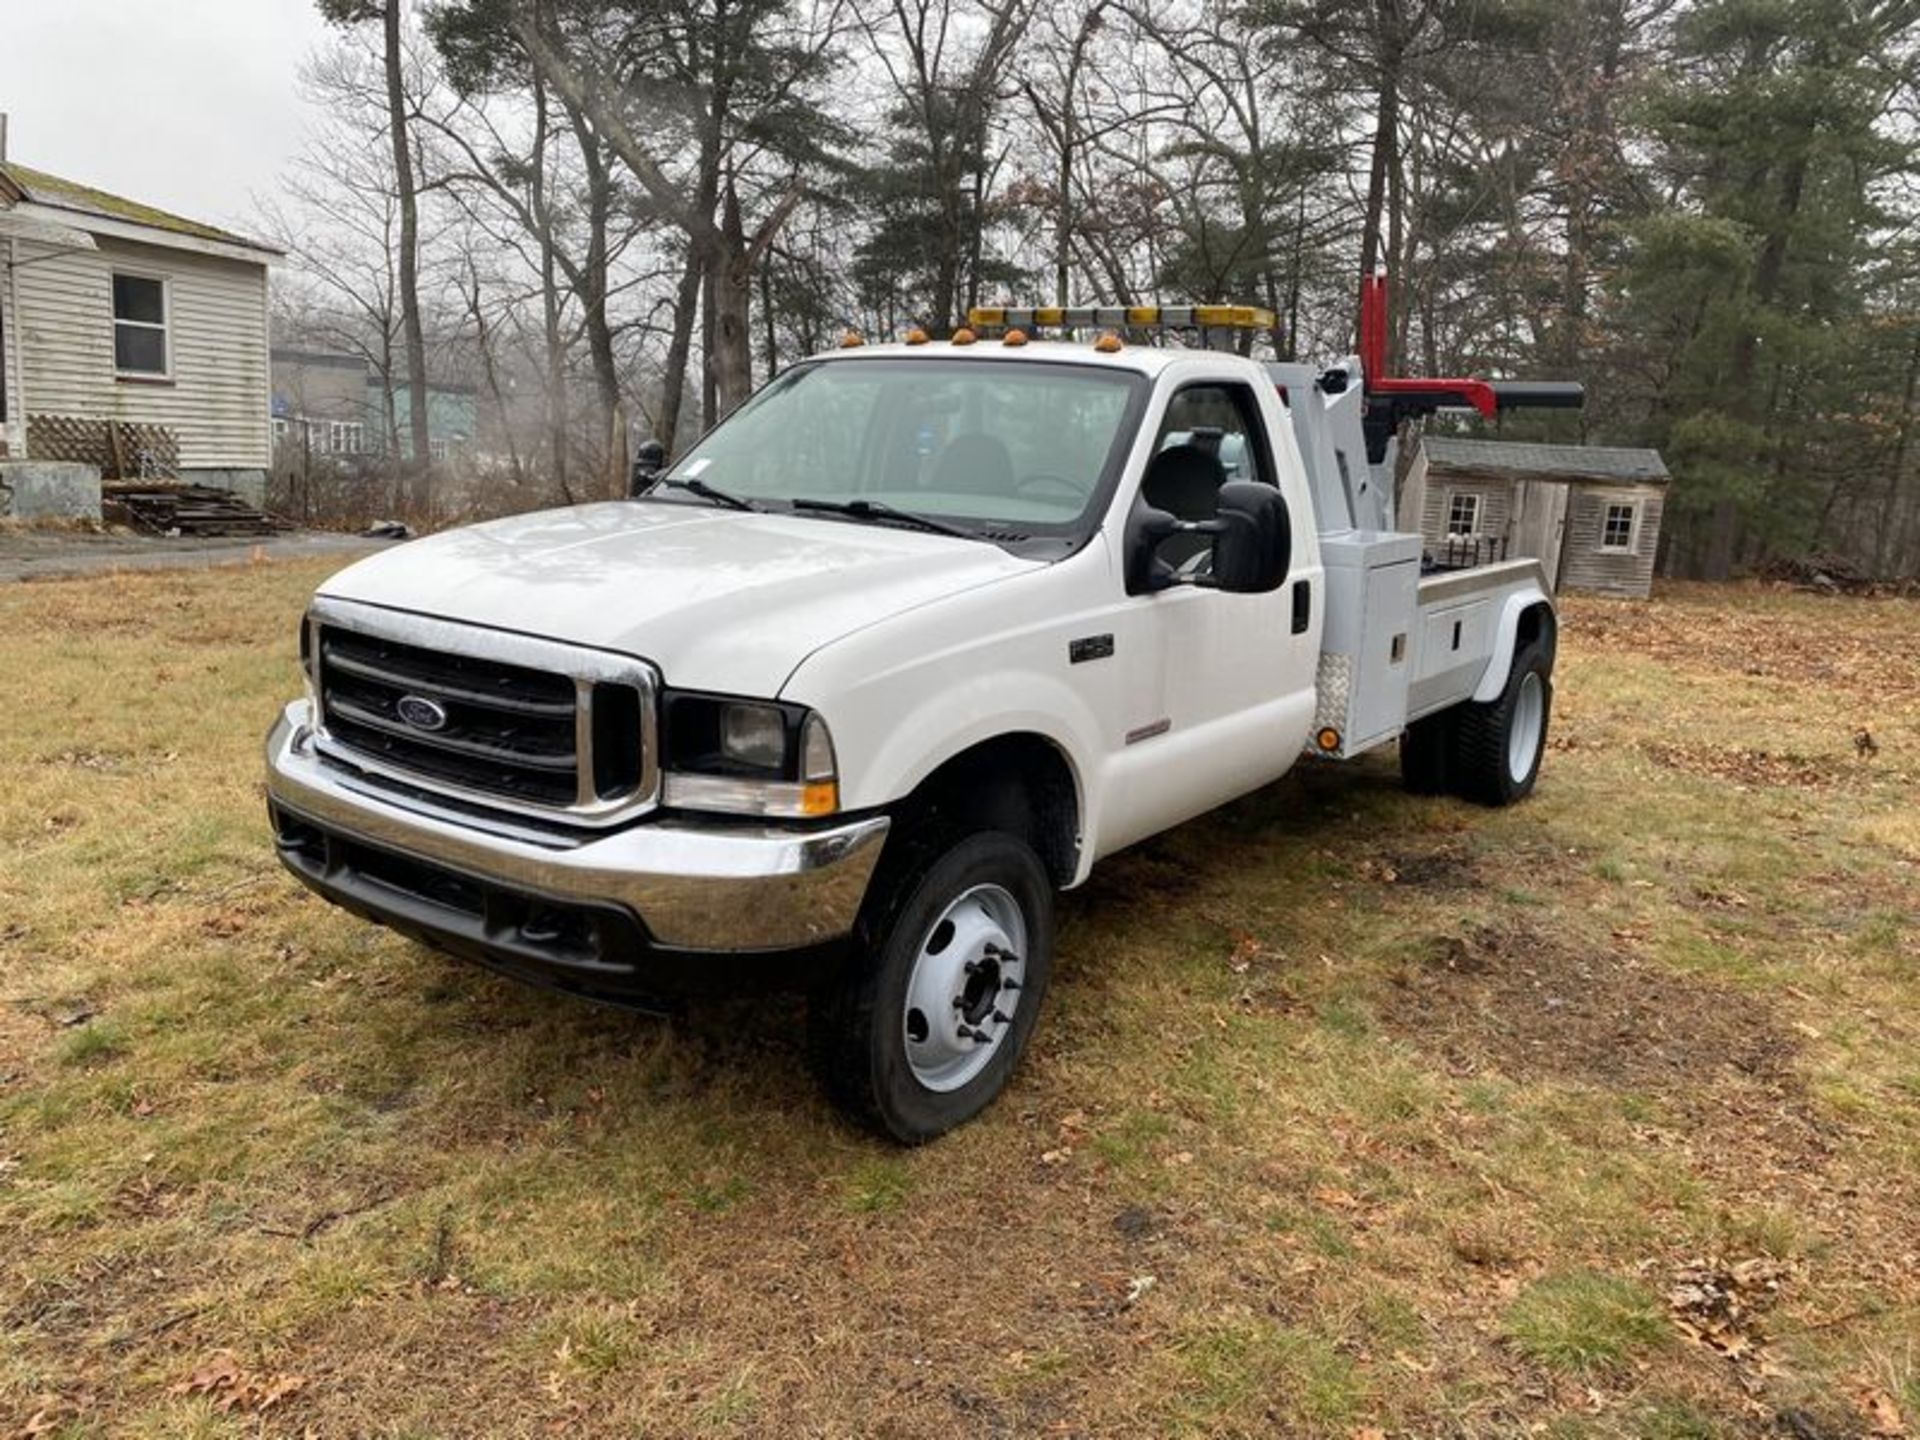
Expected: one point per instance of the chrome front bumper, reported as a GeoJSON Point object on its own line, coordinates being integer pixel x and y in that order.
{"type": "Point", "coordinates": [699, 887]}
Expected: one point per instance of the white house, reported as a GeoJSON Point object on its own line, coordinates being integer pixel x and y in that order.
{"type": "Point", "coordinates": [131, 340]}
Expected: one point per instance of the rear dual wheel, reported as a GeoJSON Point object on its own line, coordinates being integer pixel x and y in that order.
{"type": "Point", "coordinates": [1487, 753]}
{"type": "Point", "coordinates": [941, 991]}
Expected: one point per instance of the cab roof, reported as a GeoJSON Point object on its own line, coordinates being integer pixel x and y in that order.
{"type": "Point", "coordinates": [1141, 359]}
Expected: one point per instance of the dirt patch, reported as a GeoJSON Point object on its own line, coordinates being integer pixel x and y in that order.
{"type": "Point", "coordinates": [1528, 1005]}
{"type": "Point", "coordinates": [1449, 868]}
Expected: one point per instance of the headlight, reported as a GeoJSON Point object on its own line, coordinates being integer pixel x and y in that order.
{"type": "Point", "coordinates": [747, 757]}
{"type": "Point", "coordinates": [754, 736]}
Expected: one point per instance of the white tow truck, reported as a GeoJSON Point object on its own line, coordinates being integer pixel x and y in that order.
{"type": "Point", "coordinates": [901, 648]}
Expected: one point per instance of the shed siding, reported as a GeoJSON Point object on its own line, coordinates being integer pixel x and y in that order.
{"type": "Point", "coordinates": [1496, 505]}
{"type": "Point", "coordinates": [216, 402]}
{"type": "Point", "coordinates": [1585, 566]}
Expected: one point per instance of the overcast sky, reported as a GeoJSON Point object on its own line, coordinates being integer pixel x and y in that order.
{"type": "Point", "coordinates": [184, 104]}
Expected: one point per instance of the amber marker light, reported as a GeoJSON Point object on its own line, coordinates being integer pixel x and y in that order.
{"type": "Point", "coordinates": [820, 797]}
{"type": "Point", "coordinates": [964, 336]}
{"type": "Point", "coordinates": [1328, 739]}
{"type": "Point", "coordinates": [915, 336]}
{"type": "Point", "coordinates": [1014, 337]}
{"type": "Point", "coordinates": [852, 340]}
{"type": "Point", "coordinates": [1109, 344]}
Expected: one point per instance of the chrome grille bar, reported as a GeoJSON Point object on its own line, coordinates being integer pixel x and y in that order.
{"type": "Point", "coordinates": [482, 716]}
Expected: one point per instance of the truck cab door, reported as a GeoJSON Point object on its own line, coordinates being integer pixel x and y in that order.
{"type": "Point", "coordinates": [1237, 671]}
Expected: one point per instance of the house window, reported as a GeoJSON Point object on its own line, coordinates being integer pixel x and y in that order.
{"type": "Point", "coordinates": [1463, 514]}
{"type": "Point", "coordinates": [279, 430]}
{"type": "Point", "coordinates": [140, 325]}
{"type": "Point", "coordinates": [1616, 529]}
{"type": "Point", "coordinates": [344, 437]}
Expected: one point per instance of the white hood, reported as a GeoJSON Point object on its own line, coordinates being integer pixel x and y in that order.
{"type": "Point", "coordinates": [719, 599]}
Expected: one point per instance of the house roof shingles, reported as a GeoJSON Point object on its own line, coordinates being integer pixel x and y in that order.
{"type": "Point", "coordinates": [1617, 464]}
{"type": "Point", "coordinates": [50, 190]}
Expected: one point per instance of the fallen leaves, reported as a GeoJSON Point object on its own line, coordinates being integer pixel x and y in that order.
{"type": "Point", "coordinates": [221, 1378]}
{"type": "Point", "coordinates": [1880, 1410]}
{"type": "Point", "coordinates": [1718, 1305]}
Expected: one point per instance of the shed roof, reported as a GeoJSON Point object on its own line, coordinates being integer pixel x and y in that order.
{"type": "Point", "coordinates": [43, 189]}
{"type": "Point", "coordinates": [1615, 464]}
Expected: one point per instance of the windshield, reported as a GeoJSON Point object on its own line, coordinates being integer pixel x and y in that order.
{"type": "Point", "coordinates": [979, 443]}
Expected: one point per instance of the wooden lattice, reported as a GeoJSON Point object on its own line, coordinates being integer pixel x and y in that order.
{"type": "Point", "coordinates": [122, 449]}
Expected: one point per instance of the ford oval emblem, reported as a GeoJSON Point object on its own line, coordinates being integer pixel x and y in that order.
{"type": "Point", "coordinates": [422, 713]}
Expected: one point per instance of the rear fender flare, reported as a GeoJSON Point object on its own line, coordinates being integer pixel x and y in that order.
{"type": "Point", "coordinates": [1506, 640]}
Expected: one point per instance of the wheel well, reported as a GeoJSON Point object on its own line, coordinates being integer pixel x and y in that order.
{"type": "Point", "coordinates": [1021, 784]}
{"type": "Point", "coordinates": [1537, 622]}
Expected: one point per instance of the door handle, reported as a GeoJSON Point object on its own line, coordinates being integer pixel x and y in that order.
{"type": "Point", "coordinates": [1302, 605]}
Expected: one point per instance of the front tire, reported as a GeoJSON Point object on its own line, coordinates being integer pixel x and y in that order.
{"type": "Point", "coordinates": [929, 1015]}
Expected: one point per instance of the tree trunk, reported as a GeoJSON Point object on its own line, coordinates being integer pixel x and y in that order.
{"type": "Point", "coordinates": [1886, 522]}
{"type": "Point", "coordinates": [673, 379]}
{"type": "Point", "coordinates": [1386, 144]}
{"type": "Point", "coordinates": [730, 283]}
{"type": "Point", "coordinates": [409, 259]}
{"type": "Point", "coordinates": [593, 286]}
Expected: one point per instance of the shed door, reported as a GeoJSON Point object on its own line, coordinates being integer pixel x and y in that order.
{"type": "Point", "coordinates": [1539, 524]}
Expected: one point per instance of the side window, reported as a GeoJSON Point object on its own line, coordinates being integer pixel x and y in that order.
{"type": "Point", "coordinates": [1463, 513]}
{"type": "Point", "coordinates": [1617, 527]}
{"type": "Point", "coordinates": [1224, 421]}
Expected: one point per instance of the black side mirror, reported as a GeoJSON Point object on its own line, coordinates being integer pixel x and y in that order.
{"type": "Point", "coordinates": [1148, 527]}
{"type": "Point", "coordinates": [1251, 537]}
{"type": "Point", "coordinates": [649, 460]}
{"type": "Point", "coordinates": [1253, 549]}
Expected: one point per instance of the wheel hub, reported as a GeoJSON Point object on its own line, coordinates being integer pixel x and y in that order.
{"type": "Point", "coordinates": [966, 987]}
{"type": "Point", "coordinates": [1529, 719]}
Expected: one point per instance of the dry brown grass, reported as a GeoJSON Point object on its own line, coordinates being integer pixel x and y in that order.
{"type": "Point", "coordinates": [1598, 1116]}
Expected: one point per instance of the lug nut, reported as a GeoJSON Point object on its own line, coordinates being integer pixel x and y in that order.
{"type": "Point", "coordinates": [1009, 984]}
{"type": "Point", "coordinates": [1003, 1018]}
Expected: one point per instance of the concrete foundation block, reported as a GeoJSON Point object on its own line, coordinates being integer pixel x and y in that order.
{"type": "Point", "coordinates": [49, 490]}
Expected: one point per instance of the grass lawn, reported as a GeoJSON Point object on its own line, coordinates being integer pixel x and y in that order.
{"type": "Point", "coordinates": [1353, 1114]}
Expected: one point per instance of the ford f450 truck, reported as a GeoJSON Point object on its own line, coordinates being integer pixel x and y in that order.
{"type": "Point", "coordinates": [903, 647]}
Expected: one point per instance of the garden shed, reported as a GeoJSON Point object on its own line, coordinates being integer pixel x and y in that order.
{"type": "Point", "coordinates": [1589, 513]}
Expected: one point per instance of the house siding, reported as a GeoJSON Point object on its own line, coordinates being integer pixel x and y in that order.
{"type": "Point", "coordinates": [1585, 566]}
{"type": "Point", "coordinates": [216, 402]}
{"type": "Point", "coordinates": [13, 431]}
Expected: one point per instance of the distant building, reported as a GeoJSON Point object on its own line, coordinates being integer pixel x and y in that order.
{"type": "Point", "coordinates": [331, 403]}
{"type": "Point", "coordinates": [320, 403]}
{"type": "Point", "coordinates": [1590, 514]}
{"type": "Point", "coordinates": [452, 413]}
{"type": "Point", "coordinates": [131, 340]}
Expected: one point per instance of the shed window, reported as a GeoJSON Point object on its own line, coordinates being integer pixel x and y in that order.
{"type": "Point", "coordinates": [1616, 529]}
{"type": "Point", "coordinates": [139, 325]}
{"type": "Point", "coordinates": [1463, 514]}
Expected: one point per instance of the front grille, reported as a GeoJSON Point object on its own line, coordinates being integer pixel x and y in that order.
{"type": "Point", "coordinates": [466, 723]}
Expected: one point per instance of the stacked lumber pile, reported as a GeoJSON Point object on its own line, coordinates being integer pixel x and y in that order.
{"type": "Point", "coordinates": [173, 509]}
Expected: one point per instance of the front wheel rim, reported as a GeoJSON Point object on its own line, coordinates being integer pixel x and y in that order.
{"type": "Point", "coordinates": [1529, 719]}
{"type": "Point", "coordinates": [963, 997]}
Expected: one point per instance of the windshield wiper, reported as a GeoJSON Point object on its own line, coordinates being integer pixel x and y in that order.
{"type": "Point", "coordinates": [710, 492]}
{"type": "Point", "coordinates": [880, 510]}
